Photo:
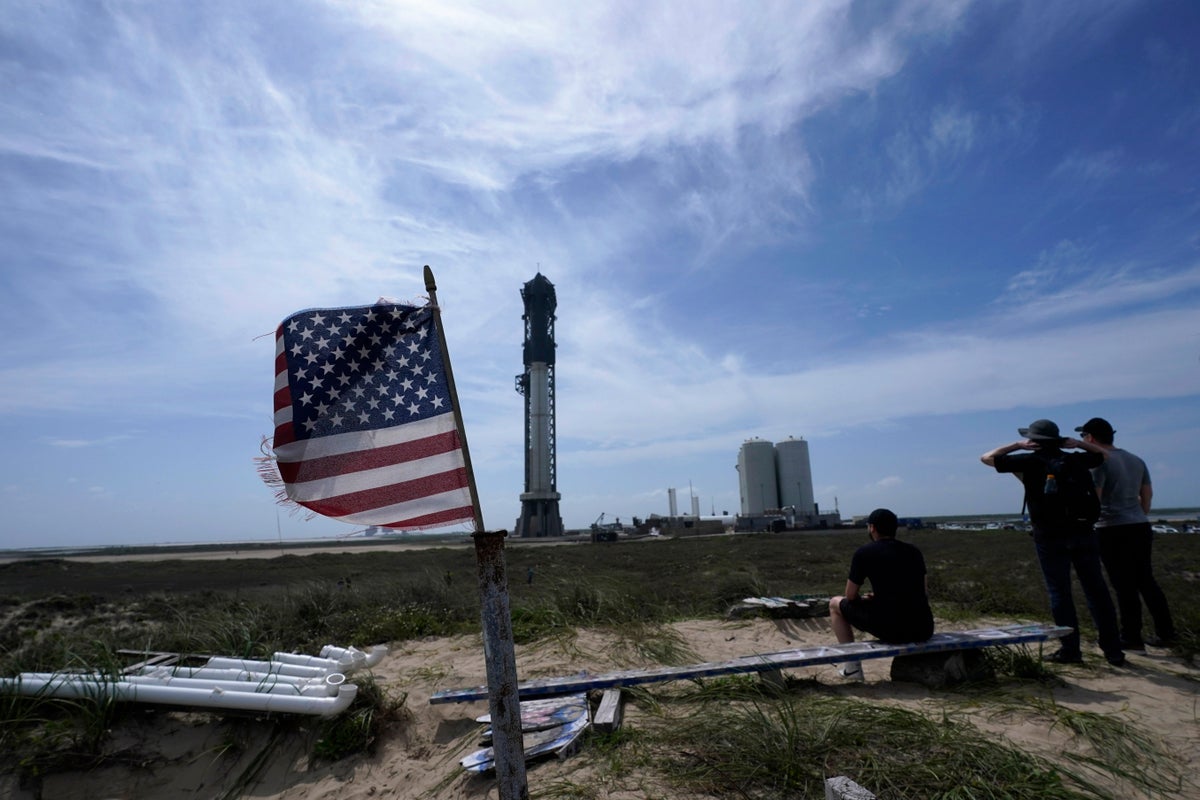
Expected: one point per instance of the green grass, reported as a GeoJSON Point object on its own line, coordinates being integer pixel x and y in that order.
{"type": "Point", "coordinates": [56, 614]}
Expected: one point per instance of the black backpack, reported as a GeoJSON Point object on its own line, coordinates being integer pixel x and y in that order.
{"type": "Point", "coordinates": [1069, 499]}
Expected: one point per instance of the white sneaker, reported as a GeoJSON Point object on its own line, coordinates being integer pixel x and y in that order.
{"type": "Point", "coordinates": [852, 671]}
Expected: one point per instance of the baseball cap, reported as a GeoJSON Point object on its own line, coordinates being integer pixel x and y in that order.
{"type": "Point", "coordinates": [1096, 426]}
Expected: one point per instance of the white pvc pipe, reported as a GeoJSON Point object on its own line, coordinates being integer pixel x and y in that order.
{"type": "Point", "coordinates": [271, 667]}
{"type": "Point", "coordinates": [309, 688]}
{"type": "Point", "coordinates": [369, 659]}
{"type": "Point", "coordinates": [226, 680]}
{"type": "Point", "coordinates": [332, 664]}
{"type": "Point", "coordinates": [222, 674]}
{"type": "Point", "coordinates": [68, 685]}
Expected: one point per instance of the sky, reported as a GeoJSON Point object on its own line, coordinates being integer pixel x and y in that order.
{"type": "Point", "coordinates": [898, 230]}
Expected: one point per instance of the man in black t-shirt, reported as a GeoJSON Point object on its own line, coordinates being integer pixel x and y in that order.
{"type": "Point", "coordinates": [897, 608]}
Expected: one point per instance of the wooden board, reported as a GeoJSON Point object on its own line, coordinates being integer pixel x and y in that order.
{"type": "Point", "coordinates": [762, 662]}
{"type": "Point", "coordinates": [608, 714]}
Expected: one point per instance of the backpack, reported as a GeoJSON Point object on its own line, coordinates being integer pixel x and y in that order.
{"type": "Point", "coordinates": [1069, 499]}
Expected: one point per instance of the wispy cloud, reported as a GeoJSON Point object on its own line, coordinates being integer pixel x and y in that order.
{"type": "Point", "coordinates": [1090, 167]}
{"type": "Point", "coordinates": [80, 443]}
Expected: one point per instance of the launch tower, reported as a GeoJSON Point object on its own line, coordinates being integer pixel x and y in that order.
{"type": "Point", "coordinates": [539, 501]}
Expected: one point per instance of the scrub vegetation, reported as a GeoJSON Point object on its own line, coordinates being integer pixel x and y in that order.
{"type": "Point", "coordinates": [728, 738]}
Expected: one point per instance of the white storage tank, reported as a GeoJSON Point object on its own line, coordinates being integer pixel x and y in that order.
{"type": "Point", "coordinates": [757, 476]}
{"type": "Point", "coordinates": [795, 476]}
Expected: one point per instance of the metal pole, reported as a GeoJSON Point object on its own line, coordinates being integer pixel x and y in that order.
{"type": "Point", "coordinates": [431, 288]}
{"type": "Point", "coordinates": [498, 652]}
{"type": "Point", "coordinates": [503, 701]}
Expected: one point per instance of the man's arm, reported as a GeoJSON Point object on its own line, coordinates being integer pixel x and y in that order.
{"type": "Point", "coordinates": [1146, 495]}
{"type": "Point", "coordinates": [1091, 447]}
{"type": "Point", "coordinates": [989, 457]}
{"type": "Point", "coordinates": [851, 590]}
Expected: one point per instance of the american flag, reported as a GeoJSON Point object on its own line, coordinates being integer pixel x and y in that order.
{"type": "Point", "coordinates": [364, 427]}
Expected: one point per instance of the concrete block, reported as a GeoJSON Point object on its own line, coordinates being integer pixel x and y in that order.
{"type": "Point", "coordinates": [938, 670]}
{"type": "Point", "coordinates": [842, 788]}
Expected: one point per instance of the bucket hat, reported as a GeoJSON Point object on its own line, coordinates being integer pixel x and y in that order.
{"type": "Point", "coordinates": [1041, 430]}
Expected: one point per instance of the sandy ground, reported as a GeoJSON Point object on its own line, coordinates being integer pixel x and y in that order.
{"type": "Point", "coordinates": [179, 754]}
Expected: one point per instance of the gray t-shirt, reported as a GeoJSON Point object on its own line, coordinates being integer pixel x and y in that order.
{"type": "Point", "coordinates": [1120, 480]}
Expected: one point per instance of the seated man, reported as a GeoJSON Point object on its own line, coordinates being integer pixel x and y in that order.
{"type": "Point", "coordinates": [897, 610]}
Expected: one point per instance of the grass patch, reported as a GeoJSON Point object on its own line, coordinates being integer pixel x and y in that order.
{"type": "Point", "coordinates": [1116, 746]}
{"type": "Point", "coordinates": [787, 748]}
{"type": "Point", "coordinates": [359, 729]}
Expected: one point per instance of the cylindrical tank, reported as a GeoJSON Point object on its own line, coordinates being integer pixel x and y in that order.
{"type": "Point", "coordinates": [673, 509]}
{"type": "Point", "coordinates": [757, 476]}
{"type": "Point", "coordinates": [795, 475]}
{"type": "Point", "coordinates": [540, 478]}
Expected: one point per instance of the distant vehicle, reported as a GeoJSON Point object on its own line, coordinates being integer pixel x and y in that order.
{"type": "Point", "coordinates": [1164, 529]}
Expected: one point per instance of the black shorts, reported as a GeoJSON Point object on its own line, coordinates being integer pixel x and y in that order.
{"type": "Point", "coordinates": [865, 615]}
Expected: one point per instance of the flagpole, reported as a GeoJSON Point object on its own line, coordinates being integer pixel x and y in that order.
{"type": "Point", "coordinates": [498, 651]}
{"type": "Point", "coordinates": [431, 289]}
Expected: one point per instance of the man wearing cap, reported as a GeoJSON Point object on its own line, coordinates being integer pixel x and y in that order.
{"type": "Point", "coordinates": [897, 609]}
{"type": "Point", "coordinates": [1059, 549]}
{"type": "Point", "coordinates": [1123, 482]}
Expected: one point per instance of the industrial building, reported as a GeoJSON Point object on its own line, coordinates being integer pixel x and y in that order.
{"type": "Point", "coordinates": [776, 487]}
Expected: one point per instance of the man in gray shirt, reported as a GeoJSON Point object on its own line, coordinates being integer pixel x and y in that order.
{"type": "Point", "coordinates": [1123, 482]}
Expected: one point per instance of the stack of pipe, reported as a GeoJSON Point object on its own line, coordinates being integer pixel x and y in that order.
{"type": "Point", "coordinates": [289, 683]}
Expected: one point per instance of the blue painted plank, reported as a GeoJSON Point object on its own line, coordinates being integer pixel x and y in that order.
{"type": "Point", "coordinates": [762, 662]}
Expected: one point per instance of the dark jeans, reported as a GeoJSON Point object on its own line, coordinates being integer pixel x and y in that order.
{"type": "Point", "coordinates": [1125, 551]}
{"type": "Point", "coordinates": [1057, 554]}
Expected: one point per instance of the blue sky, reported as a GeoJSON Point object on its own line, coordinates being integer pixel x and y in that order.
{"type": "Point", "coordinates": [900, 230]}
